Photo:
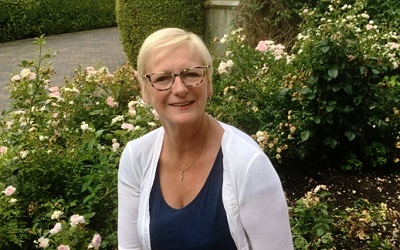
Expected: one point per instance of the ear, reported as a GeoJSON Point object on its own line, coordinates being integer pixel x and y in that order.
{"type": "Point", "coordinates": [144, 92]}
{"type": "Point", "coordinates": [145, 95]}
{"type": "Point", "coordinates": [209, 91]}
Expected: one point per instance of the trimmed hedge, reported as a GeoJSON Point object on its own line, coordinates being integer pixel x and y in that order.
{"type": "Point", "coordinates": [139, 18]}
{"type": "Point", "coordinates": [31, 18]}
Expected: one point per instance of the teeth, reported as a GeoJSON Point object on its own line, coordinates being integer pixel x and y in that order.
{"type": "Point", "coordinates": [181, 104]}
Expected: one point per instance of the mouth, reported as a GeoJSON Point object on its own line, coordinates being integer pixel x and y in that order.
{"type": "Point", "coordinates": [181, 104]}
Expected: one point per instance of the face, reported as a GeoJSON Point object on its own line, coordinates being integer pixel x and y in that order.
{"type": "Point", "coordinates": [180, 105]}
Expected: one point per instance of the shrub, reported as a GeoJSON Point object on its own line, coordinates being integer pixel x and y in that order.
{"type": "Point", "coordinates": [138, 19]}
{"type": "Point", "coordinates": [318, 224]}
{"type": "Point", "coordinates": [279, 20]}
{"type": "Point", "coordinates": [270, 20]}
{"type": "Point", "coordinates": [336, 98]}
{"type": "Point", "coordinates": [25, 19]}
{"type": "Point", "coordinates": [61, 148]}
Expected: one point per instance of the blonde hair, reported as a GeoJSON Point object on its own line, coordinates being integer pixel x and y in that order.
{"type": "Point", "coordinates": [165, 40]}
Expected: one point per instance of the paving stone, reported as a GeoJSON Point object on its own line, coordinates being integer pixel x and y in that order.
{"type": "Point", "coordinates": [101, 47]}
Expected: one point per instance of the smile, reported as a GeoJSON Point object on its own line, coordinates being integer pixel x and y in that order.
{"type": "Point", "coordinates": [181, 104]}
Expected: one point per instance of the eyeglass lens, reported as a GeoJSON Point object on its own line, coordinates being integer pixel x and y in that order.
{"type": "Point", "coordinates": [164, 80]}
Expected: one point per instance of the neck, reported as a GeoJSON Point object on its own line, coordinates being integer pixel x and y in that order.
{"type": "Point", "coordinates": [181, 140]}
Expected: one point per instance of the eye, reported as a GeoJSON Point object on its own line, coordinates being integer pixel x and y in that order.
{"type": "Point", "coordinates": [160, 77]}
{"type": "Point", "coordinates": [193, 73]}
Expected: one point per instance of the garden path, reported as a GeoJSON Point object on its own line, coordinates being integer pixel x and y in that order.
{"type": "Point", "coordinates": [100, 47]}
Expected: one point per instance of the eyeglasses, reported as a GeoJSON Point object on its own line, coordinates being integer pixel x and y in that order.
{"type": "Point", "coordinates": [191, 77]}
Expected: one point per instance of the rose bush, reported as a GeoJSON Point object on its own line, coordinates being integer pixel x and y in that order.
{"type": "Point", "coordinates": [60, 147]}
{"type": "Point", "coordinates": [334, 96]}
{"type": "Point", "coordinates": [333, 101]}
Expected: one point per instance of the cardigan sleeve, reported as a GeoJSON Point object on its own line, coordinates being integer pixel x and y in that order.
{"type": "Point", "coordinates": [128, 201]}
{"type": "Point", "coordinates": [263, 207]}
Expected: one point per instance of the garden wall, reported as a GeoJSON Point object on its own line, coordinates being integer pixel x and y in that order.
{"type": "Point", "coordinates": [220, 16]}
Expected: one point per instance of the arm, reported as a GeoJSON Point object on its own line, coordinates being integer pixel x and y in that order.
{"type": "Point", "coordinates": [263, 208]}
{"type": "Point", "coordinates": [128, 202]}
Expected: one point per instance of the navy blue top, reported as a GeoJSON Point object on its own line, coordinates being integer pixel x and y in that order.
{"type": "Point", "coordinates": [202, 224]}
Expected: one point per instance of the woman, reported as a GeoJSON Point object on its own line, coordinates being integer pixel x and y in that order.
{"type": "Point", "coordinates": [194, 183]}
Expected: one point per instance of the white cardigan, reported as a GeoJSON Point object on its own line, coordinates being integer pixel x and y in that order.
{"type": "Point", "coordinates": [252, 193]}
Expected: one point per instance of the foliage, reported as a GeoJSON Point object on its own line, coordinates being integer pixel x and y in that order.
{"type": "Point", "coordinates": [312, 221]}
{"type": "Point", "coordinates": [61, 147]}
{"type": "Point", "coordinates": [29, 18]}
{"type": "Point", "coordinates": [279, 20]}
{"type": "Point", "coordinates": [270, 20]}
{"type": "Point", "coordinates": [335, 99]}
{"type": "Point", "coordinates": [138, 19]}
{"type": "Point", "coordinates": [11, 231]}
{"type": "Point", "coordinates": [318, 224]}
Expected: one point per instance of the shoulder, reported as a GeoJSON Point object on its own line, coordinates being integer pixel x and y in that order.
{"type": "Point", "coordinates": [140, 149]}
{"type": "Point", "coordinates": [138, 155]}
{"type": "Point", "coordinates": [145, 141]}
{"type": "Point", "coordinates": [243, 158]}
{"type": "Point", "coordinates": [234, 139]}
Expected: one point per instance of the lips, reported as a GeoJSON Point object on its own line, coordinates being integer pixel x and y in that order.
{"type": "Point", "coordinates": [181, 104]}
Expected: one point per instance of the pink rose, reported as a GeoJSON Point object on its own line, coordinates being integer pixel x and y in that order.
{"type": "Point", "coordinates": [54, 92]}
{"type": "Point", "coordinates": [3, 149]}
{"type": "Point", "coordinates": [9, 190]}
{"type": "Point", "coordinates": [56, 228]}
{"type": "Point", "coordinates": [111, 103]}
{"type": "Point", "coordinates": [43, 242]}
{"type": "Point", "coordinates": [63, 247]}
{"type": "Point", "coordinates": [76, 219]}
{"type": "Point", "coordinates": [262, 46]}
{"type": "Point", "coordinates": [127, 126]}
{"type": "Point", "coordinates": [96, 241]}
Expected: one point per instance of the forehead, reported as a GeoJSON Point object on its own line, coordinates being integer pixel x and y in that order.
{"type": "Point", "coordinates": [173, 59]}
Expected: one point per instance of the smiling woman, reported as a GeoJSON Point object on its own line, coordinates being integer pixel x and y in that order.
{"type": "Point", "coordinates": [195, 182]}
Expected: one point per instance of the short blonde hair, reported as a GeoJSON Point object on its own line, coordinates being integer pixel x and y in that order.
{"type": "Point", "coordinates": [163, 41]}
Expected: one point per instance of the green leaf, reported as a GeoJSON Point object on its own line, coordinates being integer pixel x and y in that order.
{"type": "Point", "coordinates": [317, 120]}
{"type": "Point", "coordinates": [363, 70]}
{"type": "Point", "coordinates": [357, 100]}
{"type": "Point", "coordinates": [304, 135]}
{"type": "Point", "coordinates": [375, 71]}
{"type": "Point", "coordinates": [325, 49]}
{"type": "Point", "coordinates": [331, 106]}
{"type": "Point", "coordinates": [96, 112]}
{"type": "Point", "coordinates": [305, 91]}
{"type": "Point", "coordinates": [85, 186]}
{"type": "Point", "coordinates": [87, 198]}
{"type": "Point", "coordinates": [348, 109]}
{"type": "Point", "coordinates": [348, 89]}
{"type": "Point", "coordinates": [320, 232]}
{"type": "Point", "coordinates": [284, 91]}
{"type": "Point", "coordinates": [350, 135]}
{"type": "Point", "coordinates": [336, 87]}
{"type": "Point", "coordinates": [313, 79]}
{"type": "Point", "coordinates": [99, 133]}
{"type": "Point", "coordinates": [332, 142]}
{"type": "Point", "coordinates": [333, 73]}
{"type": "Point", "coordinates": [90, 145]}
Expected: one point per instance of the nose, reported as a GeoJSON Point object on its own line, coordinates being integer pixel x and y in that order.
{"type": "Point", "coordinates": [178, 87]}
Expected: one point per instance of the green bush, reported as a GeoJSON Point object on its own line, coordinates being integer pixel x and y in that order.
{"type": "Point", "coordinates": [60, 148]}
{"type": "Point", "coordinates": [318, 224]}
{"type": "Point", "coordinates": [26, 19]}
{"type": "Point", "coordinates": [334, 99]}
{"type": "Point", "coordinates": [279, 20]}
{"type": "Point", "coordinates": [138, 19]}
{"type": "Point", "coordinates": [275, 20]}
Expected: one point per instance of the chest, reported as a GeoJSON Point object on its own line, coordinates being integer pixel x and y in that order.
{"type": "Point", "coordinates": [201, 224]}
